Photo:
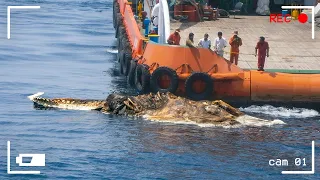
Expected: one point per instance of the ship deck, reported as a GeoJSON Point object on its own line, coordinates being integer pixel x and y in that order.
{"type": "Point", "coordinates": [291, 45]}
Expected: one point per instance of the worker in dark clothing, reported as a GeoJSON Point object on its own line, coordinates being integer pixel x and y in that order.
{"type": "Point", "coordinates": [189, 41]}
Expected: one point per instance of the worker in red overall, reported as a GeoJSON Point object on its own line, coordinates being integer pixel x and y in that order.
{"type": "Point", "coordinates": [263, 48]}
{"type": "Point", "coordinates": [174, 38]}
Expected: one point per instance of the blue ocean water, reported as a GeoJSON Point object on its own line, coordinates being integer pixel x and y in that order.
{"type": "Point", "coordinates": [67, 49]}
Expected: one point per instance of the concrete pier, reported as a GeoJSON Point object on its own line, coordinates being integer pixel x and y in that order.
{"type": "Point", "coordinates": [291, 45]}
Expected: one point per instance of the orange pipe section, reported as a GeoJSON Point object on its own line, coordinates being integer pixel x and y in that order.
{"type": "Point", "coordinates": [218, 76]}
{"type": "Point", "coordinates": [270, 86]}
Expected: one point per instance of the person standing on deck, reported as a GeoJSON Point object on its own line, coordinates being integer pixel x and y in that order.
{"type": "Point", "coordinates": [235, 41]}
{"type": "Point", "coordinates": [219, 44]}
{"type": "Point", "coordinates": [263, 48]}
{"type": "Point", "coordinates": [205, 42]}
{"type": "Point", "coordinates": [189, 41]}
{"type": "Point", "coordinates": [174, 38]}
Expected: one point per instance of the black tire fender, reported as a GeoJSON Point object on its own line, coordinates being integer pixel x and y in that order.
{"type": "Point", "coordinates": [158, 73]}
{"type": "Point", "coordinates": [120, 32]}
{"type": "Point", "coordinates": [119, 44]}
{"type": "Point", "coordinates": [120, 58]}
{"type": "Point", "coordinates": [114, 9]}
{"type": "Point", "coordinates": [119, 19]}
{"type": "Point", "coordinates": [131, 74]}
{"type": "Point", "coordinates": [125, 63]}
{"type": "Point", "coordinates": [120, 52]}
{"type": "Point", "coordinates": [125, 43]}
{"type": "Point", "coordinates": [142, 78]}
{"type": "Point", "coordinates": [121, 36]}
{"type": "Point", "coordinates": [118, 24]}
{"type": "Point", "coordinates": [116, 35]}
{"type": "Point", "coordinates": [208, 86]}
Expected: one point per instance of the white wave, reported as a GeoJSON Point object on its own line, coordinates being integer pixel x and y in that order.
{"type": "Point", "coordinates": [111, 50]}
{"type": "Point", "coordinates": [186, 122]}
{"type": "Point", "coordinates": [35, 95]}
{"type": "Point", "coordinates": [281, 111]}
{"type": "Point", "coordinates": [245, 120]}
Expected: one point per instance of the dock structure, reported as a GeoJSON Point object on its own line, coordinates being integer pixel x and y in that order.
{"type": "Point", "coordinates": [291, 45]}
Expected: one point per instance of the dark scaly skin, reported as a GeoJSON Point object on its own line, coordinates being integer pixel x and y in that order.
{"type": "Point", "coordinates": [41, 102]}
{"type": "Point", "coordinates": [156, 106]}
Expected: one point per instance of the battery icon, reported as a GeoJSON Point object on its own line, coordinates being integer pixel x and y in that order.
{"type": "Point", "coordinates": [36, 159]}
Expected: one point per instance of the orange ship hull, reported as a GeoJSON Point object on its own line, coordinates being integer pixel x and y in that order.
{"type": "Point", "coordinates": [228, 80]}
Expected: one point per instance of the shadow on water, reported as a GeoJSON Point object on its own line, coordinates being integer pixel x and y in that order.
{"type": "Point", "coordinates": [119, 81]}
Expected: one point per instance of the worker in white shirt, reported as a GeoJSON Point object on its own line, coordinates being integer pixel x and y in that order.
{"type": "Point", "coordinates": [219, 44]}
{"type": "Point", "coordinates": [205, 42]}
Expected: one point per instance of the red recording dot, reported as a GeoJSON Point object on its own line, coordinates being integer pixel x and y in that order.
{"type": "Point", "coordinates": [303, 18]}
